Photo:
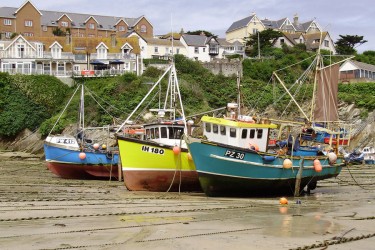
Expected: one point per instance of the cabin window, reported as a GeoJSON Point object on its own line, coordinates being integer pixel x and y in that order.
{"type": "Point", "coordinates": [260, 134]}
{"type": "Point", "coordinates": [208, 127]}
{"type": "Point", "coordinates": [175, 133]}
{"type": "Point", "coordinates": [223, 130]}
{"type": "Point", "coordinates": [252, 133]}
{"type": "Point", "coordinates": [157, 133]}
{"type": "Point", "coordinates": [152, 133]}
{"type": "Point", "coordinates": [244, 133]}
{"type": "Point", "coordinates": [232, 132]}
{"type": "Point", "coordinates": [215, 128]}
{"type": "Point", "coordinates": [163, 133]}
{"type": "Point", "coordinates": [148, 134]}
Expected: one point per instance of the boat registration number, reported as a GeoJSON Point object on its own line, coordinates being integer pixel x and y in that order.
{"type": "Point", "coordinates": [65, 141]}
{"type": "Point", "coordinates": [153, 150]}
{"type": "Point", "coordinates": [234, 154]}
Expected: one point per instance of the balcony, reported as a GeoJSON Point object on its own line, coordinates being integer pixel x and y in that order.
{"type": "Point", "coordinates": [213, 50]}
{"type": "Point", "coordinates": [63, 56]}
{"type": "Point", "coordinates": [112, 56]}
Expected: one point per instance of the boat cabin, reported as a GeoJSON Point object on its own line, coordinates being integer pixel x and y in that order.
{"type": "Point", "coordinates": [237, 133]}
{"type": "Point", "coordinates": [167, 133]}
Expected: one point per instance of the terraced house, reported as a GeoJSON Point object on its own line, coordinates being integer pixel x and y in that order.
{"type": "Point", "coordinates": [62, 43]}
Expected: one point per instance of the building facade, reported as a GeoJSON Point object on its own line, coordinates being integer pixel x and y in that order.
{"type": "Point", "coordinates": [29, 21]}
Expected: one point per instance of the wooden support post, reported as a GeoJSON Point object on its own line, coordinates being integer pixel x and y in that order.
{"type": "Point", "coordinates": [119, 168]}
{"type": "Point", "coordinates": [298, 178]}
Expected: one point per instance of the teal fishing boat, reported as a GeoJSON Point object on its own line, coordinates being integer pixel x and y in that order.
{"type": "Point", "coordinates": [242, 155]}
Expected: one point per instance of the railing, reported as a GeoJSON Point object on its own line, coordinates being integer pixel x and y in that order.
{"type": "Point", "coordinates": [64, 56]}
{"type": "Point", "coordinates": [111, 56]}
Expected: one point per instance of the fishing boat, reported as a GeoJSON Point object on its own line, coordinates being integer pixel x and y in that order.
{"type": "Point", "coordinates": [78, 156]}
{"type": "Point", "coordinates": [154, 157]}
{"type": "Point", "coordinates": [244, 155]}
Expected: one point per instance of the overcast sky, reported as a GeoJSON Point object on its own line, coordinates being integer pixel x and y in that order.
{"type": "Point", "coordinates": [339, 17]}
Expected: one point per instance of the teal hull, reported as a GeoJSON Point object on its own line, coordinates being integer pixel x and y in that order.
{"type": "Point", "coordinates": [228, 171]}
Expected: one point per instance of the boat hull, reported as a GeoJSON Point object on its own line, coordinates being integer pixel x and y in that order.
{"type": "Point", "coordinates": [251, 173]}
{"type": "Point", "coordinates": [66, 163]}
{"type": "Point", "coordinates": [149, 166]}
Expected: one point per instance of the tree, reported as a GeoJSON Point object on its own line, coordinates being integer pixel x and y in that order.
{"type": "Point", "coordinates": [264, 39]}
{"type": "Point", "coordinates": [58, 32]}
{"type": "Point", "coordinates": [345, 44]}
{"type": "Point", "coordinates": [199, 32]}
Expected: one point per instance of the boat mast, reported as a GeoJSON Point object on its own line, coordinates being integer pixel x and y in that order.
{"type": "Point", "coordinates": [82, 112]}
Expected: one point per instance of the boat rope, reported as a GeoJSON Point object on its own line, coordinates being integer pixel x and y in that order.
{"type": "Point", "coordinates": [355, 181]}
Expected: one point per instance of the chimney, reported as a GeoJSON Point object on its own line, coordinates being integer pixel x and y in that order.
{"type": "Point", "coordinates": [202, 33]}
{"type": "Point", "coordinates": [253, 13]}
{"type": "Point", "coordinates": [295, 19]}
{"type": "Point", "coordinates": [113, 39]}
{"type": "Point", "coordinates": [68, 38]}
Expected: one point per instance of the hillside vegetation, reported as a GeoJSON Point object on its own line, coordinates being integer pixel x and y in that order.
{"type": "Point", "coordinates": [34, 102]}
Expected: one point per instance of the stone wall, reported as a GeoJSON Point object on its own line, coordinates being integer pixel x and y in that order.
{"type": "Point", "coordinates": [226, 67]}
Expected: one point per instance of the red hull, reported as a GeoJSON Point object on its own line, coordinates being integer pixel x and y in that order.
{"type": "Point", "coordinates": [82, 171]}
{"type": "Point", "coordinates": [160, 181]}
{"type": "Point", "coordinates": [334, 141]}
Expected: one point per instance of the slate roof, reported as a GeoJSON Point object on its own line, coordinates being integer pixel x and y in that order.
{"type": "Point", "coordinates": [195, 40]}
{"type": "Point", "coordinates": [240, 23]}
{"type": "Point", "coordinates": [365, 66]}
{"type": "Point", "coordinates": [49, 18]}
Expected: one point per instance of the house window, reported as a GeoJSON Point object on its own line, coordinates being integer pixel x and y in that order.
{"type": "Point", "coordinates": [102, 52]}
{"type": "Point", "coordinates": [282, 41]}
{"type": "Point", "coordinates": [60, 67]}
{"type": "Point", "coordinates": [29, 23]}
{"type": "Point", "coordinates": [300, 40]}
{"type": "Point", "coordinates": [204, 50]}
{"type": "Point", "coordinates": [91, 26]}
{"type": "Point", "coordinates": [121, 28]}
{"type": "Point", "coordinates": [28, 34]}
{"type": "Point", "coordinates": [156, 50]}
{"type": "Point", "coordinates": [20, 50]}
{"type": "Point", "coordinates": [8, 34]}
{"type": "Point", "coordinates": [143, 28]}
{"type": "Point", "coordinates": [91, 35]}
{"type": "Point", "coordinates": [326, 43]}
{"type": "Point", "coordinates": [196, 50]}
{"type": "Point", "coordinates": [76, 68]}
{"type": "Point", "coordinates": [167, 50]}
{"type": "Point", "coordinates": [255, 31]}
{"type": "Point", "coordinates": [7, 22]}
{"type": "Point", "coordinates": [56, 52]}
{"type": "Point", "coordinates": [44, 28]}
{"type": "Point", "coordinates": [177, 51]}
{"type": "Point", "coordinates": [64, 24]}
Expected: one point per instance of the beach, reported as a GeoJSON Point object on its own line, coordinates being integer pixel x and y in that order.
{"type": "Point", "coordinates": [39, 210]}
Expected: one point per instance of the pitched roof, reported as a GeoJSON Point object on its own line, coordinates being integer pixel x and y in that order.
{"type": "Point", "coordinates": [240, 23]}
{"type": "Point", "coordinates": [164, 42]}
{"type": "Point", "coordinates": [50, 18]}
{"type": "Point", "coordinates": [312, 37]}
{"type": "Point", "coordinates": [195, 40]}
{"type": "Point", "coordinates": [364, 66]}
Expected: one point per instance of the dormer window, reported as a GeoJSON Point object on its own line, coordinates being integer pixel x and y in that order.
{"type": "Point", "coordinates": [56, 51]}
{"type": "Point", "coordinates": [102, 52]}
{"type": "Point", "coordinates": [126, 49]}
{"type": "Point", "coordinates": [121, 28]}
{"type": "Point", "coordinates": [91, 26]}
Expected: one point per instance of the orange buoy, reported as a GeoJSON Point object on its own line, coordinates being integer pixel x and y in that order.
{"type": "Point", "coordinates": [317, 166]}
{"type": "Point", "coordinates": [283, 201]}
{"type": "Point", "coordinates": [189, 157]}
{"type": "Point", "coordinates": [176, 150]}
{"type": "Point", "coordinates": [287, 163]}
{"type": "Point", "coordinates": [82, 156]}
{"type": "Point", "coordinates": [96, 146]}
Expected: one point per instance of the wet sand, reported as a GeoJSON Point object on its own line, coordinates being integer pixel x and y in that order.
{"type": "Point", "coordinates": [41, 211]}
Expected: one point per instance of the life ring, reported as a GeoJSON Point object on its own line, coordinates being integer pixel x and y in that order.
{"type": "Point", "coordinates": [109, 154]}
